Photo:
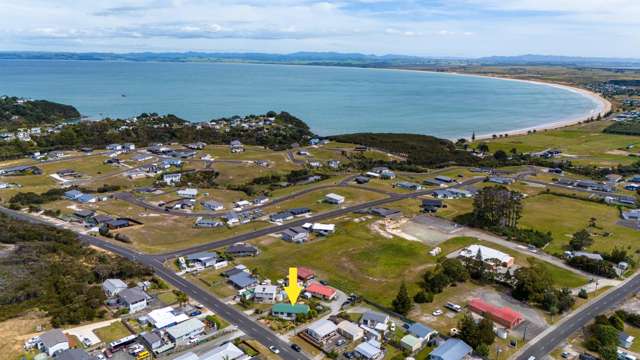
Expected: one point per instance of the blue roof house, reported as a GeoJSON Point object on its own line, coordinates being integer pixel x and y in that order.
{"type": "Point", "coordinates": [73, 194]}
{"type": "Point", "coordinates": [421, 331]}
{"type": "Point", "coordinates": [452, 349]}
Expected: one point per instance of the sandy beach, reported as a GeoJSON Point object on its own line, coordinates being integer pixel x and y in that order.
{"type": "Point", "coordinates": [603, 106]}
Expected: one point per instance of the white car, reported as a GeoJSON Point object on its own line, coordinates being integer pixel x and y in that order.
{"type": "Point", "coordinates": [437, 312]}
{"type": "Point", "coordinates": [274, 349]}
{"type": "Point", "coordinates": [193, 340]}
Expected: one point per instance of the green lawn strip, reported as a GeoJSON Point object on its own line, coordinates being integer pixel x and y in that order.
{"type": "Point", "coordinates": [115, 331]}
{"type": "Point", "coordinates": [564, 216]}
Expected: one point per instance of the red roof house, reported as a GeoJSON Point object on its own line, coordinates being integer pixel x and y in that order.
{"type": "Point", "coordinates": [305, 274]}
{"type": "Point", "coordinates": [501, 315]}
{"type": "Point", "coordinates": [321, 291]}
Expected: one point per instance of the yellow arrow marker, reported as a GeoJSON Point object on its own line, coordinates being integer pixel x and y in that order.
{"type": "Point", "coordinates": [293, 290]}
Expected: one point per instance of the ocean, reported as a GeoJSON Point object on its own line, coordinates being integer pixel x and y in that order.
{"type": "Point", "coordinates": [332, 100]}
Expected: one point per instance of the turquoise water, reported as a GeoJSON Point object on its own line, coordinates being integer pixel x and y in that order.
{"type": "Point", "coordinates": [331, 100]}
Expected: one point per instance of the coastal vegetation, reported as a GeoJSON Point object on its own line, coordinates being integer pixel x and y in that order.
{"type": "Point", "coordinates": [49, 269]}
{"type": "Point", "coordinates": [16, 112]}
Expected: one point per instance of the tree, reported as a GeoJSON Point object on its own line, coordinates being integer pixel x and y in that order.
{"type": "Point", "coordinates": [485, 331]}
{"type": "Point", "coordinates": [483, 147]}
{"type": "Point", "coordinates": [616, 322]}
{"type": "Point", "coordinates": [532, 283]}
{"type": "Point", "coordinates": [473, 136]}
{"type": "Point", "coordinates": [580, 240]}
{"type": "Point", "coordinates": [181, 297]}
{"type": "Point", "coordinates": [500, 155]}
{"type": "Point", "coordinates": [455, 270]}
{"type": "Point", "coordinates": [497, 206]}
{"type": "Point", "coordinates": [402, 303]}
{"type": "Point", "coordinates": [469, 331]}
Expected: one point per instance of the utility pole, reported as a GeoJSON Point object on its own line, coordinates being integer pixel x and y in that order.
{"type": "Point", "coordinates": [524, 334]}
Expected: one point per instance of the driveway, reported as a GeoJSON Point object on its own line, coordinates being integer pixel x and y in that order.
{"type": "Point", "coordinates": [86, 331]}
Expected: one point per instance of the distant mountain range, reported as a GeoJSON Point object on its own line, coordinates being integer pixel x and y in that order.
{"type": "Point", "coordinates": [327, 58]}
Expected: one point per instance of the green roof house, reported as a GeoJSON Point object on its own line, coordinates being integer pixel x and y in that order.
{"type": "Point", "coordinates": [288, 311]}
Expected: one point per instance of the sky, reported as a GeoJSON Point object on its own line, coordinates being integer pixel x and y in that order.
{"type": "Point", "coordinates": [439, 28]}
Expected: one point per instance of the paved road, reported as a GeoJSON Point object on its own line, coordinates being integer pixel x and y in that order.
{"type": "Point", "coordinates": [550, 339]}
{"type": "Point", "coordinates": [244, 323]}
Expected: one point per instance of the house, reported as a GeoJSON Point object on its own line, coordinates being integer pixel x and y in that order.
{"type": "Point", "coordinates": [631, 214]}
{"type": "Point", "coordinates": [212, 205]}
{"type": "Point", "coordinates": [203, 222]}
{"type": "Point", "coordinates": [236, 270]}
{"type": "Point", "coordinates": [112, 287]}
{"type": "Point", "coordinates": [206, 259]}
{"type": "Point", "coordinates": [613, 178]}
{"type": "Point", "coordinates": [228, 351]}
{"type": "Point", "coordinates": [53, 342]}
{"type": "Point", "coordinates": [152, 339]}
{"type": "Point", "coordinates": [142, 157]}
{"type": "Point", "coordinates": [375, 320]}
{"type": "Point", "coordinates": [128, 147]}
{"type": "Point", "coordinates": [295, 234]}
{"type": "Point", "coordinates": [135, 299]}
{"type": "Point", "coordinates": [321, 331]}
{"type": "Point", "coordinates": [334, 164]}
{"type": "Point", "coordinates": [74, 354]}
{"type": "Point", "coordinates": [281, 216]}
{"type": "Point", "coordinates": [350, 330]}
{"type": "Point", "coordinates": [452, 349]}
{"type": "Point", "coordinates": [184, 330]}
{"type": "Point", "coordinates": [315, 163]}
{"type": "Point", "coordinates": [167, 163]}
{"type": "Point", "coordinates": [114, 147]}
{"type": "Point", "coordinates": [361, 180]}
{"type": "Point", "coordinates": [334, 198]}
{"type": "Point", "coordinates": [165, 317]}
{"type": "Point", "coordinates": [84, 214]}
{"type": "Point", "coordinates": [86, 198]}
{"type": "Point", "coordinates": [231, 218]}
{"type": "Point", "coordinates": [242, 249]}
{"type": "Point", "coordinates": [500, 315]}
{"type": "Point", "coordinates": [410, 343]}
{"type": "Point", "coordinates": [408, 185]}
{"type": "Point", "coordinates": [592, 256]}
{"type": "Point", "coordinates": [265, 293]}
{"type": "Point", "coordinates": [242, 280]}
{"type": "Point", "coordinates": [370, 350]}
{"type": "Point", "coordinates": [188, 193]}
{"type": "Point", "coordinates": [305, 274]}
{"type": "Point", "coordinates": [22, 169]}
{"type": "Point", "coordinates": [321, 291]}
{"type": "Point", "coordinates": [117, 224]}
{"type": "Point", "coordinates": [444, 179]}
{"type": "Point", "coordinates": [321, 229]}
{"type": "Point", "coordinates": [241, 204]}
{"type": "Point", "coordinates": [300, 211]}
{"type": "Point", "coordinates": [73, 194]}
{"type": "Point", "coordinates": [236, 146]}
{"type": "Point", "coordinates": [260, 200]}
{"type": "Point", "coordinates": [625, 340]}
{"type": "Point", "coordinates": [288, 311]}
{"type": "Point", "coordinates": [196, 146]}
{"type": "Point", "coordinates": [487, 255]}
{"type": "Point", "coordinates": [500, 180]}
{"type": "Point", "coordinates": [172, 179]}
{"type": "Point", "coordinates": [422, 332]}
{"type": "Point", "coordinates": [387, 175]}
{"type": "Point", "coordinates": [386, 213]}
{"type": "Point", "coordinates": [431, 205]}
{"type": "Point", "coordinates": [433, 182]}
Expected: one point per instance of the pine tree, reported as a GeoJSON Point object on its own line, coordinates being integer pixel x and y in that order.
{"type": "Point", "coordinates": [402, 303]}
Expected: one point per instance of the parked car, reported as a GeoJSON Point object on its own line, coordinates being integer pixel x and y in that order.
{"type": "Point", "coordinates": [274, 349]}
{"type": "Point", "coordinates": [453, 307]}
{"type": "Point", "coordinates": [341, 342]}
{"type": "Point", "coordinates": [565, 355]}
{"type": "Point", "coordinates": [193, 340]}
{"type": "Point", "coordinates": [296, 347]}
{"type": "Point", "coordinates": [436, 312]}
{"type": "Point", "coordinates": [195, 313]}
{"type": "Point", "coordinates": [346, 303]}
{"type": "Point", "coordinates": [86, 341]}
{"type": "Point", "coordinates": [349, 355]}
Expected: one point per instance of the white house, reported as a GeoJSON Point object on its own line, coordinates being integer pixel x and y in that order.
{"type": "Point", "coordinates": [53, 342]}
{"type": "Point", "coordinates": [334, 198]}
{"type": "Point", "coordinates": [135, 299]}
{"type": "Point", "coordinates": [322, 229]}
{"type": "Point", "coordinates": [112, 287]}
{"type": "Point", "coordinates": [188, 193]}
{"type": "Point", "coordinates": [350, 330]}
{"type": "Point", "coordinates": [171, 179]}
{"type": "Point", "coordinates": [265, 293]}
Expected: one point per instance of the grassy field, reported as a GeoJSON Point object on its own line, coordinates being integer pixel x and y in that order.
{"type": "Point", "coordinates": [115, 331]}
{"type": "Point", "coordinates": [582, 144]}
{"type": "Point", "coordinates": [564, 216]}
{"type": "Point", "coordinates": [315, 200]}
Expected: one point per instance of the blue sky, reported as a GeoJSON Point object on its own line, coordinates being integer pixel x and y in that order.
{"type": "Point", "coordinates": [462, 28]}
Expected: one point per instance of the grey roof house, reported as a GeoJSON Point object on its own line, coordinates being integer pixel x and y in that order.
{"type": "Point", "coordinates": [452, 349]}
{"type": "Point", "coordinates": [112, 287]}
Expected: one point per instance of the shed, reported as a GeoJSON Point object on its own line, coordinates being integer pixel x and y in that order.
{"type": "Point", "coordinates": [410, 343]}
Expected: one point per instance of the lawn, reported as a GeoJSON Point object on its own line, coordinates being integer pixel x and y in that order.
{"type": "Point", "coordinates": [564, 216]}
{"type": "Point", "coordinates": [584, 143]}
{"type": "Point", "coordinates": [315, 200]}
{"type": "Point", "coordinates": [353, 259]}
{"type": "Point", "coordinates": [115, 331]}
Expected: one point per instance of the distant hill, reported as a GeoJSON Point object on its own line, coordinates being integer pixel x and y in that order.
{"type": "Point", "coordinates": [16, 112]}
{"type": "Point", "coordinates": [326, 58]}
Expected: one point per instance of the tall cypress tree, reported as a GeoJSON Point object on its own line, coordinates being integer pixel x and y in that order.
{"type": "Point", "coordinates": [402, 303]}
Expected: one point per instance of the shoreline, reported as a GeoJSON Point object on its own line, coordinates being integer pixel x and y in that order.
{"type": "Point", "coordinates": [603, 106]}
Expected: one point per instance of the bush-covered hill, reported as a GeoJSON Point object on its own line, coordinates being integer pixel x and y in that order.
{"type": "Point", "coordinates": [16, 112]}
